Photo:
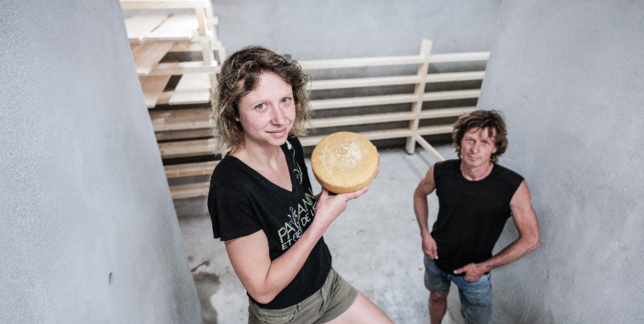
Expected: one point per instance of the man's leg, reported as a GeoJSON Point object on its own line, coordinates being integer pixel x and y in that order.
{"type": "Point", "coordinates": [476, 299]}
{"type": "Point", "coordinates": [437, 283]}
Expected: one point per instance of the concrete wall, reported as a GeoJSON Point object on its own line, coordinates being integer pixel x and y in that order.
{"type": "Point", "coordinates": [569, 77]}
{"type": "Point", "coordinates": [327, 29]}
{"type": "Point", "coordinates": [89, 233]}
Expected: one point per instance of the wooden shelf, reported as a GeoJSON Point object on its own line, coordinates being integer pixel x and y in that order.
{"type": "Point", "coordinates": [190, 169]}
{"type": "Point", "coordinates": [190, 190]}
{"type": "Point", "coordinates": [183, 119]}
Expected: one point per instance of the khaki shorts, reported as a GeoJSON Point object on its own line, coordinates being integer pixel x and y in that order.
{"type": "Point", "coordinates": [326, 304]}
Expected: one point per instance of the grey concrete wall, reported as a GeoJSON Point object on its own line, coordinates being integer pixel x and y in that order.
{"type": "Point", "coordinates": [328, 29]}
{"type": "Point", "coordinates": [569, 77]}
{"type": "Point", "coordinates": [89, 233]}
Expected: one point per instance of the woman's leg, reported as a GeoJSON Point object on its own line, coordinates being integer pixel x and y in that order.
{"type": "Point", "coordinates": [362, 310]}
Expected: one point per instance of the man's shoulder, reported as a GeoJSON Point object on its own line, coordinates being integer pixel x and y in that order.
{"type": "Point", "coordinates": [507, 176]}
{"type": "Point", "coordinates": [446, 165]}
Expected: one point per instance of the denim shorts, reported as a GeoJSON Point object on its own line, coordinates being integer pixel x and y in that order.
{"type": "Point", "coordinates": [475, 296]}
{"type": "Point", "coordinates": [326, 304]}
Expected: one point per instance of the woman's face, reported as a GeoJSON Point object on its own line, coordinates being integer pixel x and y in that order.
{"type": "Point", "coordinates": [267, 113]}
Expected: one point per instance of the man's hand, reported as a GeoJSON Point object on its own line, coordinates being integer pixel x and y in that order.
{"type": "Point", "coordinates": [473, 271]}
{"type": "Point", "coordinates": [429, 247]}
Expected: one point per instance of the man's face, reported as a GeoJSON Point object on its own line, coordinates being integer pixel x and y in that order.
{"type": "Point", "coordinates": [477, 146]}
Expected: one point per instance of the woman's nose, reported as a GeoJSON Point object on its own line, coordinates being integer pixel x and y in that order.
{"type": "Point", "coordinates": [278, 115]}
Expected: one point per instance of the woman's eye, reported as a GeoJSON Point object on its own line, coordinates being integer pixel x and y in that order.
{"type": "Point", "coordinates": [261, 106]}
{"type": "Point", "coordinates": [285, 100]}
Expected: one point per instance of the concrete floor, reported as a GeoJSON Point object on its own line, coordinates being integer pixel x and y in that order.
{"type": "Point", "coordinates": [375, 245]}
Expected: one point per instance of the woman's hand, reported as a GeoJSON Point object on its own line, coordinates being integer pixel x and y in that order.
{"type": "Point", "coordinates": [330, 206]}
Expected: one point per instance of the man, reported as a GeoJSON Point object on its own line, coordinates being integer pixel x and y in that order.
{"type": "Point", "coordinates": [476, 196]}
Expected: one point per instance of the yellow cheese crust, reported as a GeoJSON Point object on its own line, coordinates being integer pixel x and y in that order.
{"type": "Point", "coordinates": [344, 162]}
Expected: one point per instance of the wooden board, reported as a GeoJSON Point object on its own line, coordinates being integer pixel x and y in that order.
{"type": "Point", "coordinates": [187, 148]}
{"type": "Point", "coordinates": [393, 99]}
{"type": "Point", "coordinates": [148, 54]}
{"type": "Point", "coordinates": [387, 134]}
{"type": "Point", "coordinates": [386, 118]}
{"type": "Point", "coordinates": [170, 120]}
{"type": "Point", "coordinates": [190, 169]}
{"type": "Point", "coordinates": [192, 88]}
{"type": "Point", "coordinates": [152, 87]}
{"type": "Point", "coordinates": [139, 26]}
{"type": "Point", "coordinates": [179, 27]}
{"type": "Point", "coordinates": [190, 190]}
{"type": "Point", "coordinates": [361, 62]}
{"type": "Point", "coordinates": [179, 68]}
{"type": "Point", "coordinates": [184, 134]}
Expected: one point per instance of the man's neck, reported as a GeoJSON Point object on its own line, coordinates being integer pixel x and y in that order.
{"type": "Point", "coordinates": [476, 173]}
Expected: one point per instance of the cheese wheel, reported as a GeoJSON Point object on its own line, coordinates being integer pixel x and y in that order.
{"type": "Point", "coordinates": [344, 162]}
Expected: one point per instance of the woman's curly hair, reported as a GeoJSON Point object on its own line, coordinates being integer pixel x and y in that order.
{"type": "Point", "coordinates": [246, 65]}
{"type": "Point", "coordinates": [490, 119]}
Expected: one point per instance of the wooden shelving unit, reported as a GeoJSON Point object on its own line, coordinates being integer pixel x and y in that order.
{"type": "Point", "coordinates": [179, 110]}
{"type": "Point", "coordinates": [153, 35]}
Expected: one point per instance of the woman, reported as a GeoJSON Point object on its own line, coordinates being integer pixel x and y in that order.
{"type": "Point", "coordinates": [261, 202]}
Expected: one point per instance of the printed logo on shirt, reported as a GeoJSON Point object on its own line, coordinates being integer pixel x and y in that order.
{"type": "Point", "coordinates": [298, 219]}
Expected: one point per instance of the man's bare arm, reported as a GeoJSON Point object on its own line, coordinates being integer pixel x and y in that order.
{"type": "Point", "coordinates": [425, 187]}
{"type": "Point", "coordinates": [529, 239]}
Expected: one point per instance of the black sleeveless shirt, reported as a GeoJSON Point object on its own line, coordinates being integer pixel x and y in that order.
{"type": "Point", "coordinates": [471, 214]}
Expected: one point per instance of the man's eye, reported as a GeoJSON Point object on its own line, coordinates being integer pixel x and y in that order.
{"type": "Point", "coordinates": [261, 106]}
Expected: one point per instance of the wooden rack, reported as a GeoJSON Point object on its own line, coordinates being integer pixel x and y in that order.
{"type": "Point", "coordinates": [153, 36]}
{"type": "Point", "coordinates": [195, 123]}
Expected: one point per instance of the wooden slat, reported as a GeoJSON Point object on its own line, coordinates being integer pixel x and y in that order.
{"type": "Point", "coordinates": [190, 190]}
{"type": "Point", "coordinates": [190, 169]}
{"type": "Point", "coordinates": [179, 68]}
{"type": "Point", "coordinates": [387, 134]}
{"type": "Point", "coordinates": [459, 57]}
{"type": "Point", "coordinates": [429, 148]}
{"type": "Point", "coordinates": [185, 47]}
{"type": "Point", "coordinates": [147, 55]}
{"type": "Point", "coordinates": [392, 99]}
{"type": "Point", "coordinates": [392, 60]}
{"type": "Point", "coordinates": [192, 88]}
{"type": "Point", "coordinates": [187, 148]}
{"type": "Point", "coordinates": [361, 62]}
{"type": "Point", "coordinates": [385, 118]}
{"type": "Point", "coordinates": [170, 120]}
{"type": "Point", "coordinates": [140, 25]}
{"type": "Point", "coordinates": [180, 27]}
{"type": "Point", "coordinates": [184, 134]}
{"type": "Point", "coordinates": [152, 87]}
{"type": "Point", "coordinates": [363, 82]}
{"type": "Point", "coordinates": [162, 4]}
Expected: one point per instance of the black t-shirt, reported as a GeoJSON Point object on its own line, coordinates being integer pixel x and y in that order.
{"type": "Point", "coordinates": [241, 202]}
{"type": "Point", "coordinates": [471, 214]}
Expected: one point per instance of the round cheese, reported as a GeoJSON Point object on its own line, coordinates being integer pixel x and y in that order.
{"type": "Point", "coordinates": [344, 162]}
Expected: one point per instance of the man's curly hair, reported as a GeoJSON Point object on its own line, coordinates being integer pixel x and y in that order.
{"type": "Point", "coordinates": [490, 119]}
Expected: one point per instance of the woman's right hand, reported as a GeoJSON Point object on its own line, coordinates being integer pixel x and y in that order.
{"type": "Point", "coordinates": [330, 206]}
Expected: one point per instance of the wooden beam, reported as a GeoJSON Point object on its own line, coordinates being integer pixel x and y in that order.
{"type": "Point", "coordinates": [170, 120]}
{"type": "Point", "coordinates": [393, 99]}
{"type": "Point", "coordinates": [387, 134]}
{"type": "Point", "coordinates": [180, 68]}
{"type": "Point", "coordinates": [192, 88]}
{"type": "Point", "coordinates": [190, 190]}
{"type": "Point", "coordinates": [147, 55]}
{"type": "Point", "coordinates": [190, 169]}
{"type": "Point", "coordinates": [429, 148]}
{"type": "Point", "coordinates": [184, 134]}
{"type": "Point", "coordinates": [459, 57]}
{"type": "Point", "coordinates": [386, 118]}
{"type": "Point", "coordinates": [179, 27]}
{"type": "Point", "coordinates": [187, 148]}
{"type": "Point", "coordinates": [152, 87]}
{"type": "Point", "coordinates": [140, 25]}
{"type": "Point", "coordinates": [395, 80]}
{"type": "Point", "coordinates": [360, 62]}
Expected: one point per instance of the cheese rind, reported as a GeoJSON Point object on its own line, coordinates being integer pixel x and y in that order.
{"type": "Point", "coordinates": [344, 162]}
